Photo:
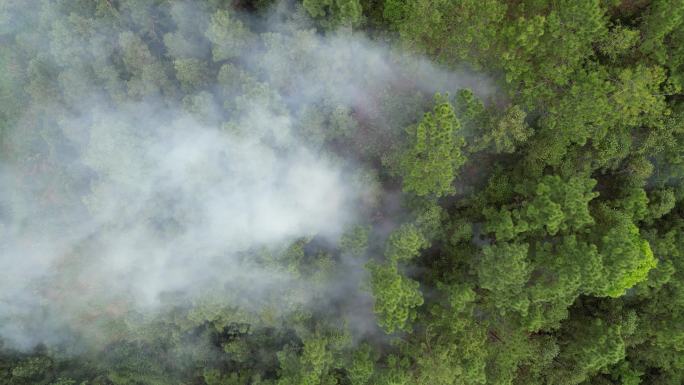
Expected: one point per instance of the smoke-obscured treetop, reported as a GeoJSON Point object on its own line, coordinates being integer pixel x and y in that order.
{"type": "Point", "coordinates": [341, 192]}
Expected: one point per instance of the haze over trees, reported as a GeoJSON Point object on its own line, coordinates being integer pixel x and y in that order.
{"type": "Point", "coordinates": [352, 192]}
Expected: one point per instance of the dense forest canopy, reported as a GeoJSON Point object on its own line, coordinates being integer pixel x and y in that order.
{"type": "Point", "coordinates": [352, 192]}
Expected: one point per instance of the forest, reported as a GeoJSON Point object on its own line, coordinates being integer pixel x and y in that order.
{"type": "Point", "coordinates": [341, 192]}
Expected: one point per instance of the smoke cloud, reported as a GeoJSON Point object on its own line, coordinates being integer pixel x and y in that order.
{"type": "Point", "coordinates": [111, 205]}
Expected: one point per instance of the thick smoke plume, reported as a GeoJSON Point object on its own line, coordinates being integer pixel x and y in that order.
{"type": "Point", "coordinates": [162, 206]}
{"type": "Point", "coordinates": [131, 206]}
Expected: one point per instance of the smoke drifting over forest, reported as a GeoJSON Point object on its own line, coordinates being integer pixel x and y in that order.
{"type": "Point", "coordinates": [150, 183]}
{"type": "Point", "coordinates": [341, 192]}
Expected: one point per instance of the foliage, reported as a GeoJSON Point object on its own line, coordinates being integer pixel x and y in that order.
{"type": "Point", "coordinates": [428, 166]}
{"type": "Point", "coordinates": [527, 230]}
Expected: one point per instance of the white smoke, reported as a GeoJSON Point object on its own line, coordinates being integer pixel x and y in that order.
{"type": "Point", "coordinates": [121, 204]}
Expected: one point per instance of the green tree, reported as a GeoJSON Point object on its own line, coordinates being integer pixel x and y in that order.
{"type": "Point", "coordinates": [627, 258]}
{"type": "Point", "coordinates": [334, 13]}
{"type": "Point", "coordinates": [428, 166]}
{"type": "Point", "coordinates": [396, 297]}
{"type": "Point", "coordinates": [504, 270]}
{"type": "Point", "coordinates": [228, 36]}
